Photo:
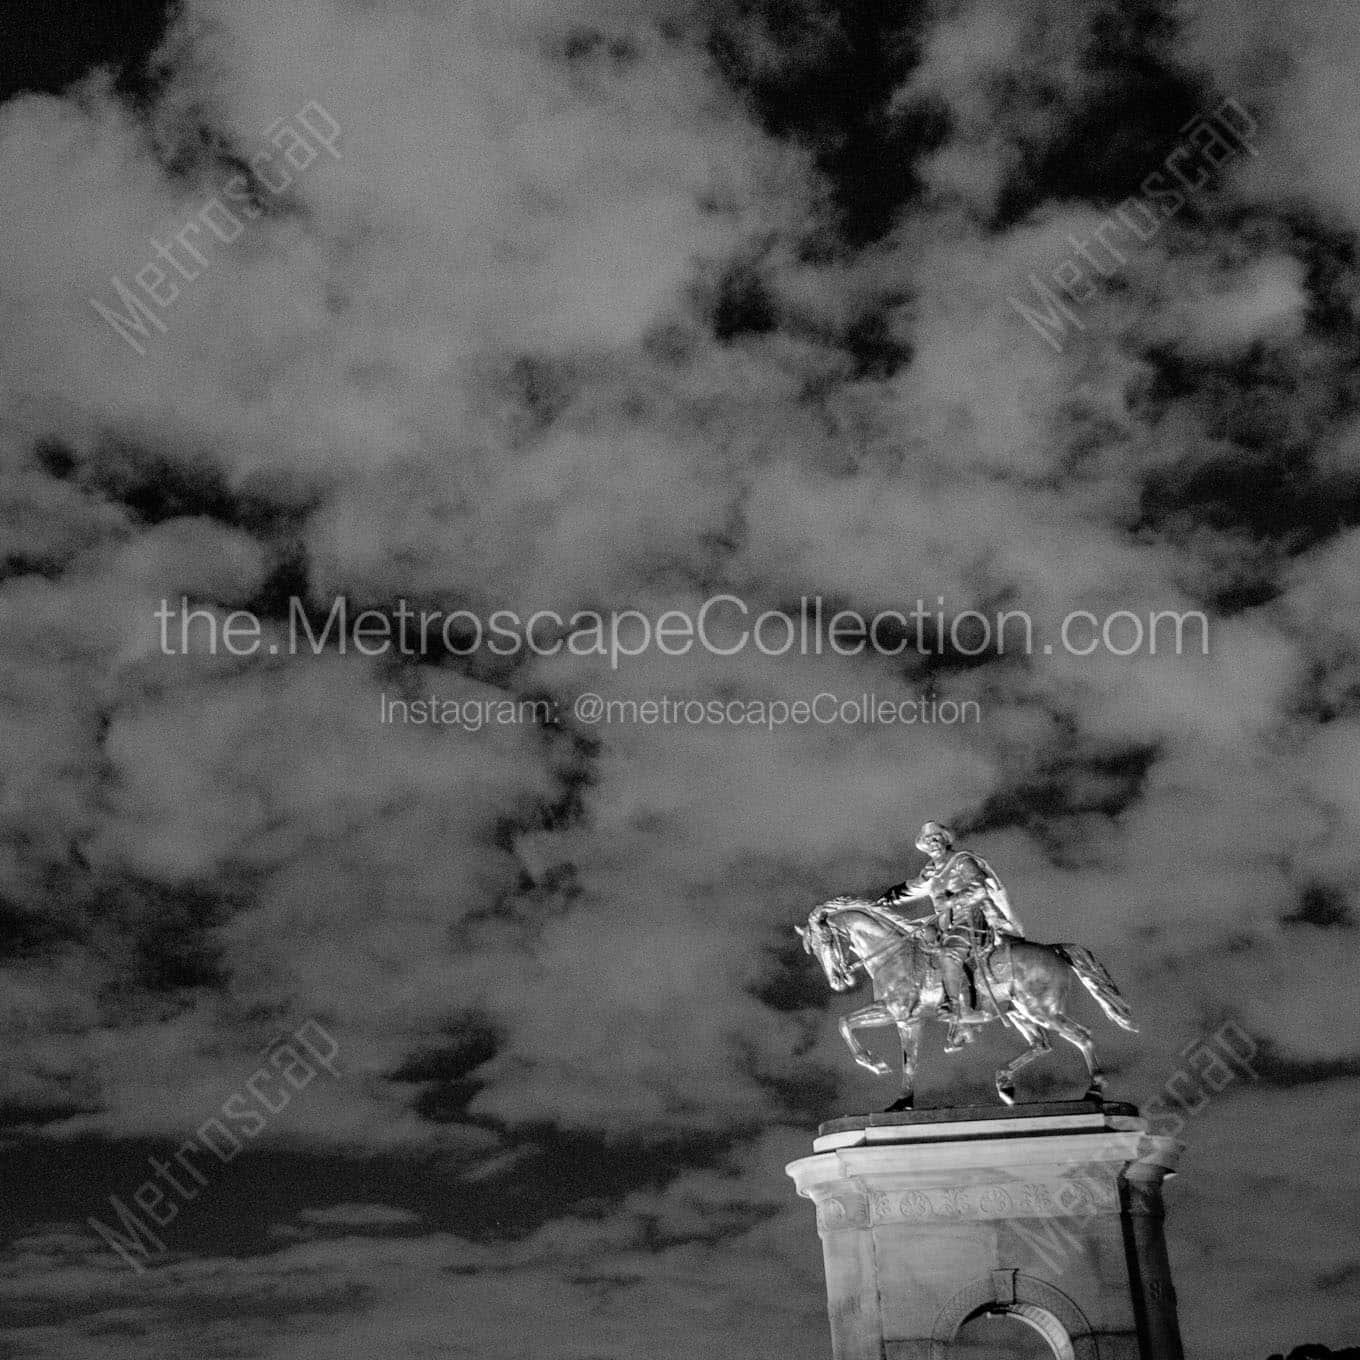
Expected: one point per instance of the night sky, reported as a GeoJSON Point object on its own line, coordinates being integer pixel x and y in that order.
{"type": "Point", "coordinates": [622, 305]}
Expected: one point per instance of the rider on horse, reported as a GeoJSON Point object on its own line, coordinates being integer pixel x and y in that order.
{"type": "Point", "coordinates": [970, 906]}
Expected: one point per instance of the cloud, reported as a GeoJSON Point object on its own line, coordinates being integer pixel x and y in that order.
{"type": "Point", "coordinates": [359, 1216]}
{"type": "Point", "coordinates": [710, 1257]}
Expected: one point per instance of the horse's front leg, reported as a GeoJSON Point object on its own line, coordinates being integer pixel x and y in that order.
{"type": "Point", "coordinates": [868, 1017]}
{"type": "Point", "coordinates": [909, 1028]}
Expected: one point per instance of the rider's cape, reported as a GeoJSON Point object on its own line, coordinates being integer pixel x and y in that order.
{"type": "Point", "coordinates": [999, 897]}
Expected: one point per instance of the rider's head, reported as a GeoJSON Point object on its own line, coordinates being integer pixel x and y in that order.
{"type": "Point", "coordinates": [934, 839]}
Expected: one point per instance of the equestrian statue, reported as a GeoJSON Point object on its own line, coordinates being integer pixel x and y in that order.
{"type": "Point", "coordinates": [967, 963]}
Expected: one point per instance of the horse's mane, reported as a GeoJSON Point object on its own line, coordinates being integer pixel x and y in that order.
{"type": "Point", "coordinates": [910, 934]}
{"type": "Point", "coordinates": [849, 902]}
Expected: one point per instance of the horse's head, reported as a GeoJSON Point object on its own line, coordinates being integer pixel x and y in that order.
{"type": "Point", "coordinates": [825, 943]}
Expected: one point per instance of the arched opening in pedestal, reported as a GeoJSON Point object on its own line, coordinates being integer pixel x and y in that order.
{"type": "Point", "coordinates": [1044, 1323]}
{"type": "Point", "coordinates": [1014, 1331]}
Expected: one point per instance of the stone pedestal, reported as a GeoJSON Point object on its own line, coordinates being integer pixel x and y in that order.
{"type": "Point", "coordinates": [1052, 1213]}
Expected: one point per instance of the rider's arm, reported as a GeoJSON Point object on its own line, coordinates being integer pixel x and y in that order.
{"type": "Point", "coordinates": [910, 891]}
{"type": "Point", "coordinates": [972, 883]}
{"type": "Point", "coordinates": [968, 896]}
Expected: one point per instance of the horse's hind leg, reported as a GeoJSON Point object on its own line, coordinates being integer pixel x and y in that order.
{"type": "Point", "coordinates": [877, 1014]}
{"type": "Point", "coordinates": [1038, 1043]}
{"type": "Point", "coordinates": [1080, 1037]}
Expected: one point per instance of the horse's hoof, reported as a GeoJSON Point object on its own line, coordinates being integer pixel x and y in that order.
{"type": "Point", "coordinates": [1007, 1093]}
{"type": "Point", "coordinates": [903, 1103]}
{"type": "Point", "coordinates": [1096, 1095]}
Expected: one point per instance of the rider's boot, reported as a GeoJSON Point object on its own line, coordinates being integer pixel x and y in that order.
{"type": "Point", "coordinates": [952, 1003]}
{"type": "Point", "coordinates": [957, 994]}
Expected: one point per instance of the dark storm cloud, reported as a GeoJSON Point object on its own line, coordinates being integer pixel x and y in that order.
{"type": "Point", "coordinates": [613, 306]}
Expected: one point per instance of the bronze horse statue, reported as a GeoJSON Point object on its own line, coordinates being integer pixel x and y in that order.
{"type": "Point", "coordinates": [1022, 982]}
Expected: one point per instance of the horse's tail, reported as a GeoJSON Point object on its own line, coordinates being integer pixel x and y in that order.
{"type": "Point", "coordinates": [1098, 982]}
